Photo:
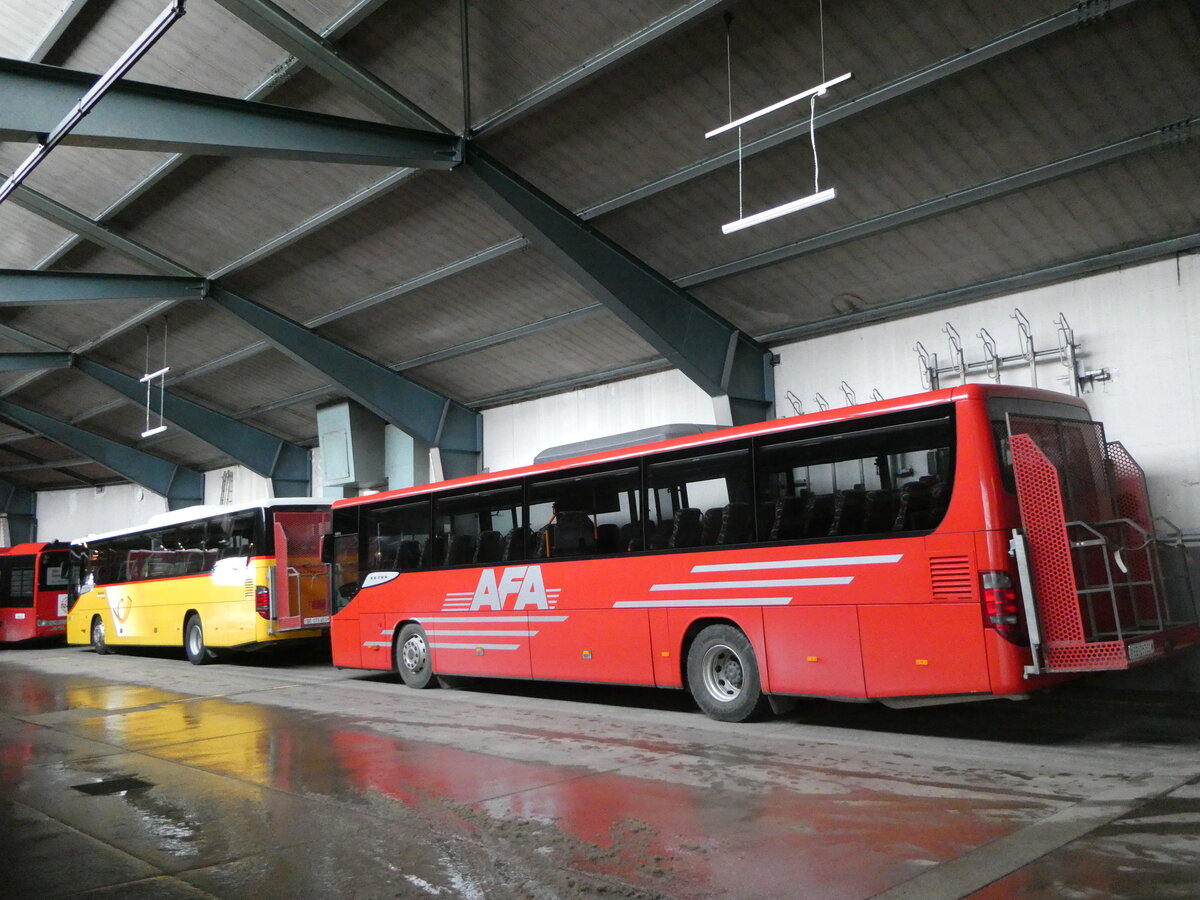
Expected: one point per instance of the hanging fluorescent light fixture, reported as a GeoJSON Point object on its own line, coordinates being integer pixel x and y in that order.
{"type": "Point", "coordinates": [818, 195]}
{"type": "Point", "coordinates": [817, 91]}
{"type": "Point", "coordinates": [775, 212]}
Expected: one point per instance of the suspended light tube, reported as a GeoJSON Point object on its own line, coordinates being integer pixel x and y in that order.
{"type": "Point", "coordinates": [95, 93]}
{"type": "Point", "coordinates": [818, 90]}
{"type": "Point", "coordinates": [775, 212]}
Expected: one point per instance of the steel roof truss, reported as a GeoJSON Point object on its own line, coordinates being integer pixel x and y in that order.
{"type": "Point", "coordinates": [452, 429]}
{"type": "Point", "coordinates": [180, 485]}
{"type": "Point", "coordinates": [718, 358]}
{"type": "Point", "coordinates": [19, 287]}
{"type": "Point", "coordinates": [285, 463]}
{"type": "Point", "coordinates": [139, 116]}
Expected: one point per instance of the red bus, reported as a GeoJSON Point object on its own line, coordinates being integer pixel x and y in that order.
{"type": "Point", "coordinates": [966, 543]}
{"type": "Point", "coordinates": [36, 589]}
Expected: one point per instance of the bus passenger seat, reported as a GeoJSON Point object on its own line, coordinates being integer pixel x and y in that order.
{"type": "Point", "coordinates": [459, 549]}
{"type": "Point", "coordinates": [408, 557]}
{"type": "Point", "coordinates": [737, 524]}
{"type": "Point", "coordinates": [710, 526]}
{"type": "Point", "coordinates": [913, 511]}
{"type": "Point", "coordinates": [608, 537]}
{"type": "Point", "coordinates": [489, 548]}
{"type": "Point", "coordinates": [433, 551]}
{"type": "Point", "coordinates": [660, 534]}
{"type": "Point", "coordinates": [631, 536]}
{"type": "Point", "coordinates": [787, 521]}
{"type": "Point", "coordinates": [685, 529]}
{"type": "Point", "coordinates": [516, 542]}
{"type": "Point", "coordinates": [574, 534]}
{"type": "Point", "coordinates": [818, 515]}
{"type": "Point", "coordinates": [880, 514]}
{"type": "Point", "coordinates": [849, 507]}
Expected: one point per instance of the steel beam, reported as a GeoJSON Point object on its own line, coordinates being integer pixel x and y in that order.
{"type": "Point", "coordinates": [20, 287]}
{"type": "Point", "coordinates": [286, 464]}
{"type": "Point", "coordinates": [57, 29]}
{"type": "Point", "coordinates": [101, 235]}
{"type": "Point", "coordinates": [590, 68]}
{"type": "Point", "coordinates": [721, 360]}
{"type": "Point", "coordinates": [451, 428]}
{"type": "Point", "coordinates": [996, 287]}
{"type": "Point", "coordinates": [180, 485]}
{"type": "Point", "coordinates": [20, 508]}
{"type": "Point", "coordinates": [18, 362]}
{"type": "Point", "coordinates": [139, 116]}
{"type": "Point", "coordinates": [323, 57]}
{"type": "Point", "coordinates": [952, 202]}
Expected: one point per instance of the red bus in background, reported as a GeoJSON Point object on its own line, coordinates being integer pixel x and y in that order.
{"type": "Point", "coordinates": [36, 589]}
{"type": "Point", "coordinates": [966, 543]}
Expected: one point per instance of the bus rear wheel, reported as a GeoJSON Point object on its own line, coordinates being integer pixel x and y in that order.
{"type": "Point", "coordinates": [193, 642]}
{"type": "Point", "coordinates": [723, 675]}
{"type": "Point", "coordinates": [412, 657]}
{"type": "Point", "coordinates": [98, 643]}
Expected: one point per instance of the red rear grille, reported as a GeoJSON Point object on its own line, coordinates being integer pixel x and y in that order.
{"type": "Point", "coordinates": [951, 578]}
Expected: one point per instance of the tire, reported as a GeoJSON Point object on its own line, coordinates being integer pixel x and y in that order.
{"type": "Point", "coordinates": [193, 642]}
{"type": "Point", "coordinates": [412, 657]}
{"type": "Point", "coordinates": [723, 675]}
{"type": "Point", "coordinates": [98, 642]}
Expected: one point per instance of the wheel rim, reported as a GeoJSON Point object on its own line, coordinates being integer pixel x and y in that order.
{"type": "Point", "coordinates": [98, 632]}
{"type": "Point", "coordinates": [195, 640]}
{"type": "Point", "coordinates": [723, 673]}
{"type": "Point", "coordinates": [414, 654]}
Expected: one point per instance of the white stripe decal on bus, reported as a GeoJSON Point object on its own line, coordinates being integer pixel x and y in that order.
{"type": "Point", "coordinates": [489, 619]}
{"type": "Point", "coordinates": [441, 646]}
{"type": "Point", "coordinates": [801, 563]}
{"type": "Point", "coordinates": [455, 632]}
{"type": "Point", "coordinates": [708, 601]}
{"type": "Point", "coordinates": [766, 583]}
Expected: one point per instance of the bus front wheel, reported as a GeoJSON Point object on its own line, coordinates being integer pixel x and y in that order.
{"type": "Point", "coordinates": [723, 674]}
{"type": "Point", "coordinates": [98, 643]}
{"type": "Point", "coordinates": [193, 642]}
{"type": "Point", "coordinates": [412, 657]}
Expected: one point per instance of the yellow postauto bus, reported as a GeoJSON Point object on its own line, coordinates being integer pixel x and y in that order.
{"type": "Point", "coordinates": [209, 578]}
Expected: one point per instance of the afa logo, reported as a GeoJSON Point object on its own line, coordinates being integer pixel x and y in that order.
{"type": "Point", "coordinates": [516, 588]}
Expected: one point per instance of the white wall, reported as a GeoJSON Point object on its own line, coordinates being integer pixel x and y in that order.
{"type": "Point", "coordinates": [65, 515]}
{"type": "Point", "coordinates": [513, 435]}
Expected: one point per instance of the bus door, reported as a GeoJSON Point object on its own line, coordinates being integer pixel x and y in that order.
{"type": "Point", "coordinates": [301, 579]}
{"type": "Point", "coordinates": [1096, 585]}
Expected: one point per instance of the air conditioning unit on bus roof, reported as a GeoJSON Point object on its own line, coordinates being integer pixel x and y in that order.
{"type": "Point", "coordinates": [625, 439]}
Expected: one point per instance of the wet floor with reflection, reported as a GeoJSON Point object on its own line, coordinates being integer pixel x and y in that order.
{"type": "Point", "coordinates": [303, 782]}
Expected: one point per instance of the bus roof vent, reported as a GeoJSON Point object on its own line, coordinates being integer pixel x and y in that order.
{"type": "Point", "coordinates": [626, 439]}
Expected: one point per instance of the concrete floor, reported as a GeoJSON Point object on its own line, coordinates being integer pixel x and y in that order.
{"type": "Point", "coordinates": [143, 776]}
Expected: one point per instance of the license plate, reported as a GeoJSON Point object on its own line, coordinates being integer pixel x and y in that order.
{"type": "Point", "coordinates": [1141, 650]}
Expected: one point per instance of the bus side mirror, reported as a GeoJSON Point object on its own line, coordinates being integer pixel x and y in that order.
{"type": "Point", "coordinates": [327, 548]}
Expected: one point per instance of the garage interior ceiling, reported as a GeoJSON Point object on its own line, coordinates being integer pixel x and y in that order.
{"type": "Point", "coordinates": [980, 147]}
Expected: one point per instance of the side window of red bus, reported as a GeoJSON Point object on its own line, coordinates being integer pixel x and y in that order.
{"type": "Point", "coordinates": [591, 512]}
{"type": "Point", "coordinates": [699, 500]}
{"type": "Point", "coordinates": [877, 479]}
{"type": "Point", "coordinates": [476, 528]}
{"type": "Point", "coordinates": [397, 537]}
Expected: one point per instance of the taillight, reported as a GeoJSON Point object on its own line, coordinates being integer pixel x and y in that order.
{"type": "Point", "coordinates": [1002, 609]}
{"type": "Point", "coordinates": [262, 601]}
